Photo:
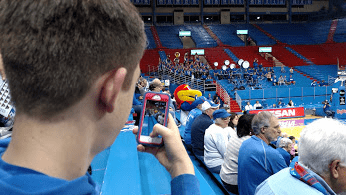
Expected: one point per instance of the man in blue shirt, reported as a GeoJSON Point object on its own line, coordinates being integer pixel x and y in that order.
{"type": "Point", "coordinates": [198, 127]}
{"type": "Point", "coordinates": [322, 163]}
{"type": "Point", "coordinates": [78, 64]}
{"type": "Point", "coordinates": [190, 118]}
{"type": "Point", "coordinates": [257, 160]}
{"type": "Point", "coordinates": [284, 148]}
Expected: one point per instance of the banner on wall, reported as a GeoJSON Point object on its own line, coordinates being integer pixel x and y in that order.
{"type": "Point", "coordinates": [283, 112]}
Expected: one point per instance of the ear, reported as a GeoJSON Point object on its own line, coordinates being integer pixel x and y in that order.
{"type": "Point", "coordinates": [334, 168]}
{"type": "Point", "coordinates": [111, 87]}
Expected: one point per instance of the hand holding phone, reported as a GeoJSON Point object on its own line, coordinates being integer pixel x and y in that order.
{"type": "Point", "coordinates": [155, 111]}
{"type": "Point", "coordinates": [172, 155]}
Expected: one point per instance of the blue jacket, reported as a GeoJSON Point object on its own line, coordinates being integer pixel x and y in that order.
{"type": "Point", "coordinates": [198, 127]}
{"type": "Point", "coordinates": [256, 162]}
{"type": "Point", "coordinates": [191, 117]}
{"type": "Point", "coordinates": [285, 155]}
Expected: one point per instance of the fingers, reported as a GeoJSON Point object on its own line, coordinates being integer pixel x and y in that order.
{"type": "Point", "coordinates": [135, 130]}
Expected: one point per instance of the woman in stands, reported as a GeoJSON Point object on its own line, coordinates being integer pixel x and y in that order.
{"type": "Point", "coordinates": [215, 140]}
{"type": "Point", "coordinates": [234, 120]}
{"type": "Point", "coordinates": [229, 169]}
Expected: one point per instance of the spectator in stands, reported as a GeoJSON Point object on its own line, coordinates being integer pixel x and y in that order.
{"type": "Point", "coordinates": [248, 107]}
{"type": "Point", "coordinates": [226, 104]}
{"type": "Point", "coordinates": [269, 76]}
{"type": "Point", "coordinates": [156, 85]}
{"type": "Point", "coordinates": [283, 69]}
{"type": "Point", "coordinates": [290, 104]}
{"type": "Point", "coordinates": [275, 81]}
{"type": "Point", "coordinates": [323, 83]}
{"type": "Point", "coordinates": [234, 120]}
{"type": "Point", "coordinates": [292, 82]}
{"type": "Point", "coordinates": [293, 150]}
{"type": "Point", "coordinates": [198, 127]}
{"type": "Point", "coordinates": [256, 156]}
{"type": "Point", "coordinates": [327, 110]}
{"type": "Point", "coordinates": [279, 105]}
{"type": "Point", "coordinates": [215, 140]}
{"type": "Point", "coordinates": [216, 99]}
{"type": "Point", "coordinates": [229, 169]}
{"type": "Point", "coordinates": [321, 167]}
{"type": "Point", "coordinates": [85, 55]}
{"type": "Point", "coordinates": [313, 83]}
{"type": "Point", "coordinates": [209, 97]}
{"type": "Point", "coordinates": [284, 149]}
{"type": "Point", "coordinates": [291, 71]}
{"type": "Point", "coordinates": [274, 106]}
{"type": "Point", "coordinates": [193, 114]}
{"type": "Point", "coordinates": [281, 80]}
{"type": "Point", "coordinates": [255, 63]}
{"type": "Point", "coordinates": [257, 105]}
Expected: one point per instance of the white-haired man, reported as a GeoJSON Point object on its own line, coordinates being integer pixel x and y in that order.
{"type": "Point", "coordinates": [284, 148]}
{"type": "Point", "coordinates": [257, 160]}
{"type": "Point", "coordinates": [322, 163]}
{"type": "Point", "coordinates": [198, 127]}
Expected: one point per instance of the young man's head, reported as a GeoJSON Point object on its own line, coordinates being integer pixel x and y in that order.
{"type": "Point", "coordinates": [53, 51]}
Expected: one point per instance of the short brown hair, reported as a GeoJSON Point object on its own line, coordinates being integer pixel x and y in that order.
{"type": "Point", "coordinates": [53, 51]}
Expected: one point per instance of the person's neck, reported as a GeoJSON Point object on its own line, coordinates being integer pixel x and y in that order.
{"type": "Point", "coordinates": [262, 137]}
{"type": "Point", "coordinates": [50, 147]}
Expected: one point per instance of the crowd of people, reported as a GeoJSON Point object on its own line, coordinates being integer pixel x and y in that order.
{"type": "Point", "coordinates": [191, 67]}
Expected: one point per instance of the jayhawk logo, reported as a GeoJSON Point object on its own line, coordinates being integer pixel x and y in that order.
{"type": "Point", "coordinates": [185, 96]}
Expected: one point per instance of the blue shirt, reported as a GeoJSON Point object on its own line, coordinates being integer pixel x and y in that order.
{"type": "Point", "coordinates": [256, 162]}
{"type": "Point", "coordinates": [198, 127]}
{"type": "Point", "coordinates": [191, 117]}
{"type": "Point", "coordinates": [20, 180]}
{"type": "Point", "coordinates": [285, 155]}
{"type": "Point", "coordinates": [15, 180]}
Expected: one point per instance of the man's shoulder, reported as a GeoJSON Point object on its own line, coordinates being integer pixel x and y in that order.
{"type": "Point", "coordinates": [282, 182]}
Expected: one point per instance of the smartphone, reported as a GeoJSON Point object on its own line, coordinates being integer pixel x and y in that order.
{"type": "Point", "coordinates": [155, 110]}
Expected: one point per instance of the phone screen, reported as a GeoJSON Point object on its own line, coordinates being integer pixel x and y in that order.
{"type": "Point", "coordinates": [154, 111]}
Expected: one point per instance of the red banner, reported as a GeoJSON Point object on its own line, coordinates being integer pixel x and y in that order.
{"type": "Point", "coordinates": [283, 112]}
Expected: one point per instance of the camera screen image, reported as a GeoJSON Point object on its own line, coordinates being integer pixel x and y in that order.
{"type": "Point", "coordinates": [154, 113]}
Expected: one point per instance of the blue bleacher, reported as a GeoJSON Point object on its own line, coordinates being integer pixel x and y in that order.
{"type": "Point", "coordinates": [169, 36]}
{"type": "Point", "coordinates": [319, 72]}
{"type": "Point", "coordinates": [227, 33]}
{"type": "Point", "coordinates": [259, 37]}
{"type": "Point", "coordinates": [150, 38]}
{"type": "Point", "coordinates": [120, 169]}
{"type": "Point", "coordinates": [340, 33]}
{"type": "Point", "coordinates": [200, 36]}
{"type": "Point", "coordinates": [299, 33]}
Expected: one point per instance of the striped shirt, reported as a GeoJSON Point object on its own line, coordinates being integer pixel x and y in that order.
{"type": "Point", "coordinates": [229, 169]}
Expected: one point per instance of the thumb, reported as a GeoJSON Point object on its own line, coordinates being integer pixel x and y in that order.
{"type": "Point", "coordinates": [164, 131]}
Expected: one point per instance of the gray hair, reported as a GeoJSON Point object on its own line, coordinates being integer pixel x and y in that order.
{"type": "Point", "coordinates": [261, 120]}
{"type": "Point", "coordinates": [218, 120]}
{"type": "Point", "coordinates": [321, 142]}
{"type": "Point", "coordinates": [284, 142]}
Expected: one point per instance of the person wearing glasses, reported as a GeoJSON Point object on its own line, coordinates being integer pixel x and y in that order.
{"type": "Point", "coordinates": [257, 160]}
{"type": "Point", "coordinates": [321, 168]}
{"type": "Point", "coordinates": [215, 140]}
